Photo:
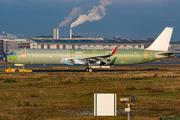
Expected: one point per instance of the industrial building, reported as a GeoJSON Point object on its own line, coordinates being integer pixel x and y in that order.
{"type": "Point", "coordinates": [10, 42]}
{"type": "Point", "coordinates": [1, 49]}
{"type": "Point", "coordinates": [175, 46]}
{"type": "Point", "coordinates": [85, 44]}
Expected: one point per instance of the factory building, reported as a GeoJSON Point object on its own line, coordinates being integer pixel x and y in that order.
{"type": "Point", "coordinates": [1, 49]}
{"type": "Point", "coordinates": [10, 42]}
{"type": "Point", "coordinates": [175, 46]}
{"type": "Point", "coordinates": [85, 44]}
{"type": "Point", "coordinates": [24, 45]}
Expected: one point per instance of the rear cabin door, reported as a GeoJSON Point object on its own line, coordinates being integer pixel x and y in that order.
{"type": "Point", "coordinates": [146, 55]}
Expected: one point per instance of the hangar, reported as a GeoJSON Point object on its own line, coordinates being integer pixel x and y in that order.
{"type": "Point", "coordinates": [85, 43]}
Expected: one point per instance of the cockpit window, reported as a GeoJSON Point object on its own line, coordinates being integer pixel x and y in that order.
{"type": "Point", "coordinates": [13, 53]}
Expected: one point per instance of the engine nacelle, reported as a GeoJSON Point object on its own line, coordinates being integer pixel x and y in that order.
{"type": "Point", "coordinates": [74, 61]}
{"type": "Point", "coordinates": [77, 61]}
{"type": "Point", "coordinates": [99, 62]}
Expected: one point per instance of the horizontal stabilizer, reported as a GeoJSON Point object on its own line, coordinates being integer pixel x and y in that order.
{"type": "Point", "coordinates": [167, 54]}
{"type": "Point", "coordinates": [162, 41]}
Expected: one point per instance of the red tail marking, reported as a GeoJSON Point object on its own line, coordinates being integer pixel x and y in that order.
{"type": "Point", "coordinates": [112, 53]}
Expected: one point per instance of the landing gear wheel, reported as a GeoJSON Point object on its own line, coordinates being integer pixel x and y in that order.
{"type": "Point", "coordinates": [88, 69]}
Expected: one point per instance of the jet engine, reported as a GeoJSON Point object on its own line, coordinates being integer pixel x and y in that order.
{"type": "Point", "coordinates": [77, 61]}
{"type": "Point", "coordinates": [74, 61]}
{"type": "Point", "coordinates": [99, 62]}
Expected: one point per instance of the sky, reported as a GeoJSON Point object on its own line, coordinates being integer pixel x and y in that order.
{"type": "Point", "coordinates": [128, 19]}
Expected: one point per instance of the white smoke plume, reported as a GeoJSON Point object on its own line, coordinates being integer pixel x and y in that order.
{"type": "Point", "coordinates": [97, 13]}
{"type": "Point", "coordinates": [74, 13]}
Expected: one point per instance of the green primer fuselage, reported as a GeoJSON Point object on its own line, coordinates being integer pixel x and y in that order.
{"type": "Point", "coordinates": [56, 56]}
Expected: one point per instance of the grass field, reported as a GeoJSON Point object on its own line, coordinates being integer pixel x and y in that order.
{"type": "Point", "coordinates": [71, 95]}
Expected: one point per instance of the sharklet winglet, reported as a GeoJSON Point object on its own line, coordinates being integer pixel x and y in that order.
{"type": "Point", "coordinates": [113, 51]}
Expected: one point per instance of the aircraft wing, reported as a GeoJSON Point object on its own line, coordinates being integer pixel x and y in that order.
{"type": "Point", "coordinates": [96, 58]}
{"type": "Point", "coordinates": [90, 60]}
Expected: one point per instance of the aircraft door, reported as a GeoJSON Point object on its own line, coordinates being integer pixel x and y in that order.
{"type": "Point", "coordinates": [146, 55]}
{"type": "Point", "coordinates": [23, 54]}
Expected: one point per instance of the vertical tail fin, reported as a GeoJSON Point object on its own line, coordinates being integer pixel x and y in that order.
{"type": "Point", "coordinates": [162, 41]}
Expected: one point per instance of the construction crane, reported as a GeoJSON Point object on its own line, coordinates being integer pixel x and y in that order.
{"type": "Point", "coordinates": [82, 33]}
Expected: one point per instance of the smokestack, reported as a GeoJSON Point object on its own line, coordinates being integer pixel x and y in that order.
{"type": "Point", "coordinates": [56, 33]}
{"type": "Point", "coordinates": [70, 33]}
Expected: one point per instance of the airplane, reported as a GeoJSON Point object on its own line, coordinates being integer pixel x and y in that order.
{"type": "Point", "coordinates": [94, 57]}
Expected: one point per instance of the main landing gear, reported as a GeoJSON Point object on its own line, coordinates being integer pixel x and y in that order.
{"type": "Point", "coordinates": [24, 67]}
{"type": "Point", "coordinates": [89, 69]}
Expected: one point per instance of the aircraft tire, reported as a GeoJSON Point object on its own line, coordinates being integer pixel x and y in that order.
{"type": "Point", "coordinates": [90, 70]}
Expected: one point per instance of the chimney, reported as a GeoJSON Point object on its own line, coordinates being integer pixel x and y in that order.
{"type": "Point", "coordinates": [70, 33]}
{"type": "Point", "coordinates": [56, 33]}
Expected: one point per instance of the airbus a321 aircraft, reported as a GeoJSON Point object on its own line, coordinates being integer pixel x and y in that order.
{"type": "Point", "coordinates": [90, 57]}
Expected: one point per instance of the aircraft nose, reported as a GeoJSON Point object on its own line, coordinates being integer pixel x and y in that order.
{"type": "Point", "coordinates": [65, 61]}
